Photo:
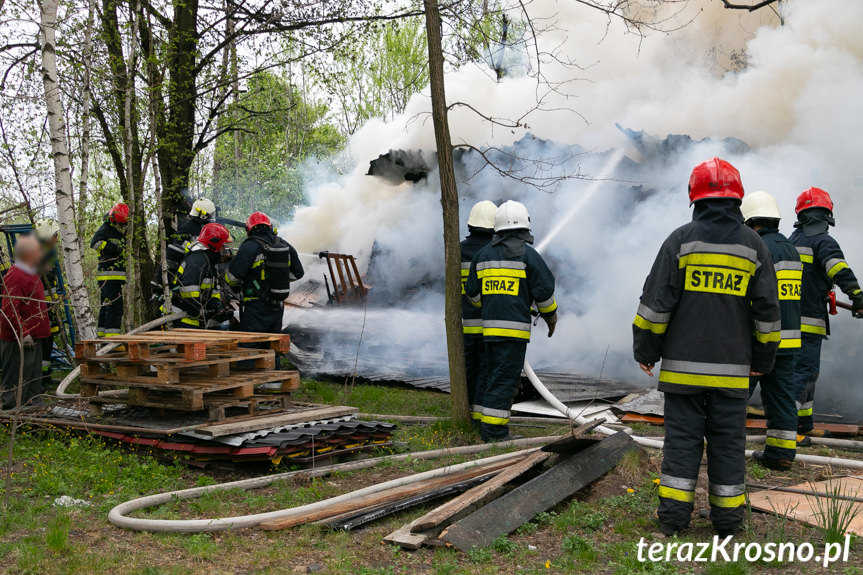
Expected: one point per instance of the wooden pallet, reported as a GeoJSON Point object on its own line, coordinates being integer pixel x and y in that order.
{"type": "Point", "coordinates": [190, 345]}
{"type": "Point", "coordinates": [193, 390]}
{"type": "Point", "coordinates": [216, 405]}
{"type": "Point", "coordinates": [170, 369]}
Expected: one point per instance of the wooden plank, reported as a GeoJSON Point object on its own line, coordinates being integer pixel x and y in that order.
{"type": "Point", "coordinates": [386, 496]}
{"type": "Point", "coordinates": [511, 511]}
{"type": "Point", "coordinates": [350, 521]}
{"type": "Point", "coordinates": [277, 420]}
{"type": "Point", "coordinates": [478, 496]}
{"type": "Point", "coordinates": [287, 379]}
{"type": "Point", "coordinates": [571, 444]}
{"type": "Point", "coordinates": [804, 508]}
{"type": "Point", "coordinates": [405, 538]}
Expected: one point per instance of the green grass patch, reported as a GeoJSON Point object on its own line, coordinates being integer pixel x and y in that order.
{"type": "Point", "coordinates": [378, 399]}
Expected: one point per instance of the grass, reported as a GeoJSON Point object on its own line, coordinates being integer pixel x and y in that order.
{"type": "Point", "coordinates": [596, 533]}
{"type": "Point", "coordinates": [834, 511]}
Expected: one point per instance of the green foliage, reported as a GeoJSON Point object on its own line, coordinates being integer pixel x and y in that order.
{"type": "Point", "coordinates": [722, 568]}
{"type": "Point", "coordinates": [580, 548]}
{"type": "Point", "coordinates": [580, 516]}
{"type": "Point", "coordinates": [269, 132]}
{"type": "Point", "coordinates": [504, 545]}
{"type": "Point", "coordinates": [835, 510]}
{"type": "Point", "coordinates": [57, 532]}
{"type": "Point", "coordinates": [82, 467]}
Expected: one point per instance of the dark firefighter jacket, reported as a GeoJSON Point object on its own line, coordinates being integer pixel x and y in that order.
{"type": "Point", "coordinates": [506, 288]}
{"type": "Point", "coordinates": [823, 266]}
{"type": "Point", "coordinates": [789, 278]}
{"type": "Point", "coordinates": [181, 240]}
{"type": "Point", "coordinates": [471, 315]}
{"type": "Point", "coordinates": [247, 270]}
{"type": "Point", "coordinates": [710, 308]}
{"type": "Point", "coordinates": [51, 283]}
{"type": "Point", "coordinates": [110, 243]}
{"type": "Point", "coordinates": [196, 291]}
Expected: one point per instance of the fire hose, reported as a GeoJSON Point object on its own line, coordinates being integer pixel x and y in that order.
{"type": "Point", "coordinates": [118, 515]}
{"type": "Point", "coordinates": [72, 375]}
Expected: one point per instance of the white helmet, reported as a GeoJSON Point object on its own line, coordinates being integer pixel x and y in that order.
{"type": "Point", "coordinates": [482, 215]}
{"type": "Point", "coordinates": [45, 229]}
{"type": "Point", "coordinates": [760, 205]}
{"type": "Point", "coordinates": [511, 216]}
{"type": "Point", "coordinates": [204, 209]}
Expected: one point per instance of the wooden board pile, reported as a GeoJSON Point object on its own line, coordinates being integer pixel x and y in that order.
{"type": "Point", "coordinates": [485, 501]}
{"type": "Point", "coordinates": [189, 370]}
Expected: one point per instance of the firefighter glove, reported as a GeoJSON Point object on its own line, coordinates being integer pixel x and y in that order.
{"type": "Point", "coordinates": [28, 341]}
{"type": "Point", "coordinates": [857, 307]}
{"type": "Point", "coordinates": [551, 322]}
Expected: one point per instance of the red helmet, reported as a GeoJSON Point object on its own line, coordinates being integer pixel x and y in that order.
{"type": "Point", "coordinates": [119, 214]}
{"type": "Point", "coordinates": [813, 198]}
{"type": "Point", "coordinates": [257, 219]}
{"type": "Point", "coordinates": [715, 178]}
{"type": "Point", "coordinates": [214, 236]}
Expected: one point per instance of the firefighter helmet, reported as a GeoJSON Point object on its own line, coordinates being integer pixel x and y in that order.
{"type": "Point", "coordinates": [482, 215]}
{"type": "Point", "coordinates": [813, 198]}
{"type": "Point", "coordinates": [119, 214]}
{"type": "Point", "coordinates": [45, 229]}
{"type": "Point", "coordinates": [257, 219]}
{"type": "Point", "coordinates": [714, 178]}
{"type": "Point", "coordinates": [214, 236]}
{"type": "Point", "coordinates": [204, 209]}
{"type": "Point", "coordinates": [760, 205]}
{"type": "Point", "coordinates": [511, 216]}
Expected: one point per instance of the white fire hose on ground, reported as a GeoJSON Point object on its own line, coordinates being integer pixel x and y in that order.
{"type": "Point", "coordinates": [72, 375]}
{"type": "Point", "coordinates": [658, 443]}
{"type": "Point", "coordinates": [118, 515]}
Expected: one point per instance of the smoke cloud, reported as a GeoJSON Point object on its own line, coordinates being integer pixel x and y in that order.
{"type": "Point", "coordinates": [796, 103]}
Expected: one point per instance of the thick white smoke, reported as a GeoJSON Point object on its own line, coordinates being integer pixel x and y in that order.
{"type": "Point", "coordinates": [796, 102]}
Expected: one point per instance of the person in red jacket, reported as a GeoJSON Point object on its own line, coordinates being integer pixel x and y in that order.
{"type": "Point", "coordinates": [23, 323]}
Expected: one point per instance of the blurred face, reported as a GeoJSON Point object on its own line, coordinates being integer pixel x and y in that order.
{"type": "Point", "coordinates": [28, 251]}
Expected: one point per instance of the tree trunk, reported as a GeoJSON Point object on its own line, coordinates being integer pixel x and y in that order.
{"type": "Point", "coordinates": [63, 172]}
{"type": "Point", "coordinates": [449, 202]}
{"type": "Point", "coordinates": [85, 125]}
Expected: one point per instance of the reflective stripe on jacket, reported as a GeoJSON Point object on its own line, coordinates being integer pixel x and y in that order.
{"type": "Point", "coordinates": [471, 314]}
{"type": "Point", "coordinates": [789, 278]}
{"type": "Point", "coordinates": [709, 309]}
{"type": "Point", "coordinates": [823, 266]}
{"type": "Point", "coordinates": [506, 288]}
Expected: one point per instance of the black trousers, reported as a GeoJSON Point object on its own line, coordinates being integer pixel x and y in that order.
{"type": "Point", "coordinates": [807, 366]}
{"type": "Point", "coordinates": [475, 371]}
{"type": "Point", "coordinates": [111, 308]}
{"type": "Point", "coordinates": [780, 407]}
{"type": "Point", "coordinates": [689, 420]}
{"type": "Point", "coordinates": [47, 347]}
{"type": "Point", "coordinates": [12, 358]}
{"type": "Point", "coordinates": [263, 317]}
{"type": "Point", "coordinates": [504, 362]}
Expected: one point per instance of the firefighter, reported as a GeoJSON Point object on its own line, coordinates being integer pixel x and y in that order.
{"type": "Point", "coordinates": [823, 267]}
{"type": "Point", "coordinates": [109, 242]}
{"type": "Point", "coordinates": [47, 231]}
{"type": "Point", "coordinates": [710, 312]}
{"type": "Point", "coordinates": [761, 213]}
{"type": "Point", "coordinates": [506, 278]}
{"type": "Point", "coordinates": [480, 227]}
{"type": "Point", "coordinates": [197, 292]}
{"type": "Point", "coordinates": [202, 213]}
{"type": "Point", "coordinates": [262, 271]}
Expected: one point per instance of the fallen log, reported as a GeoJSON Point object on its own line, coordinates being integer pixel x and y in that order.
{"type": "Point", "coordinates": [511, 511]}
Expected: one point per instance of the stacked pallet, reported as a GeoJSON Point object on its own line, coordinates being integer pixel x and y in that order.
{"type": "Point", "coordinates": [189, 370]}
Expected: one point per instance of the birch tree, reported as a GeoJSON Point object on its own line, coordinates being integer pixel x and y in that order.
{"type": "Point", "coordinates": [72, 256]}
